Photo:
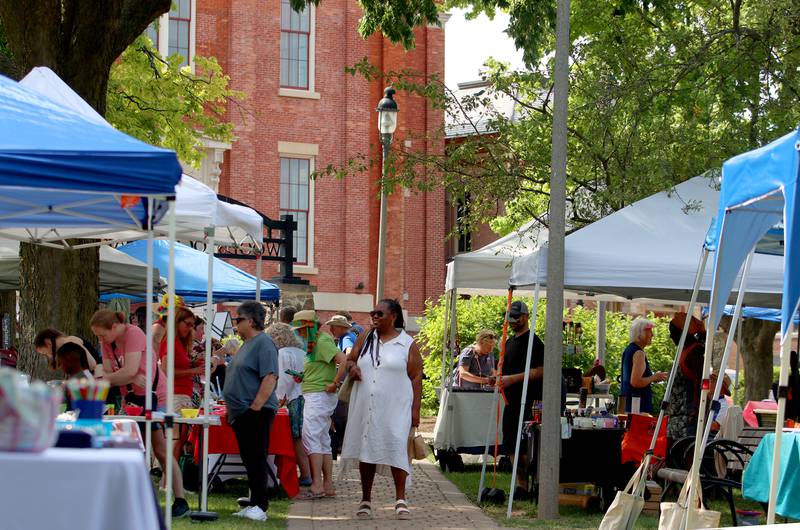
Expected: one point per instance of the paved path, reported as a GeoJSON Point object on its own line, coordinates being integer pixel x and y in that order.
{"type": "Point", "coordinates": [434, 502]}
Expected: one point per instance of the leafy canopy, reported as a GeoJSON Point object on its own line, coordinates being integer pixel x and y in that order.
{"type": "Point", "coordinates": [162, 103]}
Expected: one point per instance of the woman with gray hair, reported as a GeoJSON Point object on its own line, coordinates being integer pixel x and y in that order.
{"type": "Point", "coordinates": [636, 373]}
{"type": "Point", "coordinates": [291, 357]}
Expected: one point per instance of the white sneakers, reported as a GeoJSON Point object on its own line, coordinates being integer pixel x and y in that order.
{"type": "Point", "coordinates": [254, 513]}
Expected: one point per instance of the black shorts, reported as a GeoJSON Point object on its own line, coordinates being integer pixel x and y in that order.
{"type": "Point", "coordinates": [510, 422]}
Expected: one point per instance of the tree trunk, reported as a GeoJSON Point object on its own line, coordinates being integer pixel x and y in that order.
{"type": "Point", "coordinates": [758, 338]}
{"type": "Point", "coordinates": [79, 40]}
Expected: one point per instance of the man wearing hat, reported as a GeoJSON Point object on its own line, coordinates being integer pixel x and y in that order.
{"type": "Point", "coordinates": [720, 405]}
{"type": "Point", "coordinates": [341, 329]}
{"type": "Point", "coordinates": [511, 381]}
{"type": "Point", "coordinates": [321, 380]}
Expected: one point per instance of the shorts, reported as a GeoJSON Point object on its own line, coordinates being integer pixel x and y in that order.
{"type": "Point", "coordinates": [317, 411]}
{"type": "Point", "coordinates": [510, 423]}
{"type": "Point", "coordinates": [295, 408]}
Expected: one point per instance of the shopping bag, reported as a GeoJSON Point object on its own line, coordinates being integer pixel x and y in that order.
{"type": "Point", "coordinates": [417, 448]}
{"type": "Point", "coordinates": [627, 505]}
{"type": "Point", "coordinates": [639, 436]}
{"type": "Point", "coordinates": [346, 390]}
{"type": "Point", "coordinates": [674, 513]}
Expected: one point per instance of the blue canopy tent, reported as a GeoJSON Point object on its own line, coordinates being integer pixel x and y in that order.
{"type": "Point", "coordinates": [191, 274]}
{"type": "Point", "coordinates": [66, 176]}
{"type": "Point", "coordinates": [60, 171]}
{"type": "Point", "coordinates": [757, 213]}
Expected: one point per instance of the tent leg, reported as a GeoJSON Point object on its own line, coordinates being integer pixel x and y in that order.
{"type": "Point", "coordinates": [148, 401]}
{"type": "Point", "coordinates": [170, 371]}
{"type": "Point", "coordinates": [515, 464]}
{"type": "Point", "coordinates": [600, 342]}
{"type": "Point", "coordinates": [702, 430]}
{"type": "Point", "coordinates": [783, 380]}
{"type": "Point", "coordinates": [204, 514]}
{"type": "Point", "coordinates": [738, 356]}
{"type": "Point", "coordinates": [258, 278]}
{"type": "Point", "coordinates": [446, 338]}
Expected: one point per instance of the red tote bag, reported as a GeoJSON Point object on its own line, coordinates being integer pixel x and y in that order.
{"type": "Point", "coordinates": [640, 433]}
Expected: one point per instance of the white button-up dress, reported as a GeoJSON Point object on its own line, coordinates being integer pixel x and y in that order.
{"type": "Point", "coordinates": [379, 417]}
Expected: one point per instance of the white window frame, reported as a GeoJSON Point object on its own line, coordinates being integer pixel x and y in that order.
{"type": "Point", "coordinates": [311, 92]}
{"type": "Point", "coordinates": [308, 152]}
{"type": "Point", "coordinates": [163, 34]}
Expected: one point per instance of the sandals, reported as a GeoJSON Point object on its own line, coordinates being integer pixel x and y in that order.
{"type": "Point", "coordinates": [401, 510]}
{"type": "Point", "coordinates": [310, 496]}
{"type": "Point", "coordinates": [364, 510]}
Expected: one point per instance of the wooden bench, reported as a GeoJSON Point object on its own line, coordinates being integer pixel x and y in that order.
{"type": "Point", "coordinates": [750, 438]}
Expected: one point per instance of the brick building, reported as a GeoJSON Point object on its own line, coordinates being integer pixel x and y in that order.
{"type": "Point", "coordinates": [304, 112]}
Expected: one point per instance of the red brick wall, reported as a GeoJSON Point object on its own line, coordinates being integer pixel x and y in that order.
{"type": "Point", "coordinates": [244, 35]}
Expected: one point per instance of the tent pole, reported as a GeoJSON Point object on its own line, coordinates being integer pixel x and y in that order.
{"type": "Point", "coordinates": [453, 330]}
{"type": "Point", "coordinates": [738, 356]}
{"type": "Point", "coordinates": [210, 232]}
{"type": "Point", "coordinates": [170, 372]}
{"type": "Point", "coordinates": [525, 378]}
{"type": "Point", "coordinates": [700, 433]}
{"type": "Point", "coordinates": [258, 277]}
{"type": "Point", "coordinates": [783, 380]}
{"type": "Point", "coordinates": [148, 400]}
{"type": "Point", "coordinates": [701, 269]}
{"type": "Point", "coordinates": [600, 342]}
{"type": "Point", "coordinates": [445, 341]}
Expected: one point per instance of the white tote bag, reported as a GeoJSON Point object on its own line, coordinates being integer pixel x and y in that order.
{"type": "Point", "coordinates": [674, 513]}
{"type": "Point", "coordinates": [627, 505]}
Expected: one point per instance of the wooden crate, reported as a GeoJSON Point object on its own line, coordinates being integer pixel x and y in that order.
{"type": "Point", "coordinates": [652, 505]}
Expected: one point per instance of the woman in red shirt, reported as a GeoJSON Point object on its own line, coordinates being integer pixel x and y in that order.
{"type": "Point", "coordinates": [184, 369]}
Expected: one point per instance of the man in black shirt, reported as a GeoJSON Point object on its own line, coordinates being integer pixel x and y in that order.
{"type": "Point", "coordinates": [512, 379]}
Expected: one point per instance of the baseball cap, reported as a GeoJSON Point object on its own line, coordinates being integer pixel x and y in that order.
{"type": "Point", "coordinates": [516, 310]}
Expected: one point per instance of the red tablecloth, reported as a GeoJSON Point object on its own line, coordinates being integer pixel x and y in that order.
{"type": "Point", "coordinates": [749, 414]}
{"type": "Point", "coordinates": [222, 440]}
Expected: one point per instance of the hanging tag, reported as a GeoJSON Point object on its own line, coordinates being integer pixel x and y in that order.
{"type": "Point", "coordinates": [129, 201]}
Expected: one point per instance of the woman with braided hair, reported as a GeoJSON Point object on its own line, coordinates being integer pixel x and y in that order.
{"type": "Point", "coordinates": [386, 366]}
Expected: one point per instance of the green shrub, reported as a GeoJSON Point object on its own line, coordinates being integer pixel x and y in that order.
{"type": "Point", "coordinates": [479, 312]}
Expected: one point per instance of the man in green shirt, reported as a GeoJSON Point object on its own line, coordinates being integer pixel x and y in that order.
{"type": "Point", "coordinates": [321, 380]}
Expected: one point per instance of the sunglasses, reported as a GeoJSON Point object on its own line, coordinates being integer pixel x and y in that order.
{"type": "Point", "coordinates": [236, 320]}
{"type": "Point", "coordinates": [376, 314]}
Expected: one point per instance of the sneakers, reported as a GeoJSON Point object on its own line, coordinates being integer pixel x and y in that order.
{"type": "Point", "coordinates": [180, 508]}
{"type": "Point", "coordinates": [254, 513]}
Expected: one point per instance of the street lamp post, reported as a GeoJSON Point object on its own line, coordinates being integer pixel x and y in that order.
{"type": "Point", "coordinates": [387, 123]}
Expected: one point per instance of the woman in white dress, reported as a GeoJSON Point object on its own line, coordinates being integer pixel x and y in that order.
{"type": "Point", "coordinates": [386, 366]}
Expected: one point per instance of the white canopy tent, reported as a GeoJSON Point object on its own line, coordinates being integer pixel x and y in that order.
{"type": "Point", "coordinates": [485, 271]}
{"type": "Point", "coordinates": [119, 273]}
{"type": "Point", "coordinates": [649, 250]}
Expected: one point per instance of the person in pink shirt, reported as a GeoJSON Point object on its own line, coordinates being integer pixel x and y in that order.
{"type": "Point", "coordinates": [125, 365]}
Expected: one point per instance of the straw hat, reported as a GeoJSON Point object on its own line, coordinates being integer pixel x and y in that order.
{"type": "Point", "coordinates": [338, 321]}
{"type": "Point", "coordinates": [304, 318]}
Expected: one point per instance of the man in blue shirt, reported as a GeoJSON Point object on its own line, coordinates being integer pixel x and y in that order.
{"type": "Point", "coordinates": [340, 329]}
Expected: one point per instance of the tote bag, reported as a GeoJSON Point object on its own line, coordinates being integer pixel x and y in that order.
{"type": "Point", "coordinates": [673, 513]}
{"type": "Point", "coordinates": [627, 505]}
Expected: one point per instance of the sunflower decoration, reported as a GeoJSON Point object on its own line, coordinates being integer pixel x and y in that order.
{"type": "Point", "coordinates": [163, 305]}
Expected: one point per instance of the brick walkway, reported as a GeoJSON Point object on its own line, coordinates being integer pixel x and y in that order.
{"type": "Point", "coordinates": [434, 502]}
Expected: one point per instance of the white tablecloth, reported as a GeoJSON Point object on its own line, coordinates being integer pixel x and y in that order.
{"type": "Point", "coordinates": [76, 488]}
{"type": "Point", "coordinates": [463, 418]}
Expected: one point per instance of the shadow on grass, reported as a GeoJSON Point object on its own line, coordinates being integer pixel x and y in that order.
{"type": "Point", "coordinates": [524, 513]}
{"type": "Point", "coordinates": [223, 502]}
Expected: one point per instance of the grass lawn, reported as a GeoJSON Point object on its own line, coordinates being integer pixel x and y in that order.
{"type": "Point", "coordinates": [524, 513]}
{"type": "Point", "coordinates": [224, 503]}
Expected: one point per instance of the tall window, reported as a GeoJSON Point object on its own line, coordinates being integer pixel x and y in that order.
{"type": "Point", "coordinates": [152, 33]}
{"type": "Point", "coordinates": [295, 36]}
{"type": "Point", "coordinates": [295, 200]}
{"type": "Point", "coordinates": [180, 20]}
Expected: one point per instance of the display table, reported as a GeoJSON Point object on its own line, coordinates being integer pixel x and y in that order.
{"type": "Point", "coordinates": [589, 455]}
{"type": "Point", "coordinates": [90, 489]}
{"type": "Point", "coordinates": [462, 421]}
{"type": "Point", "coordinates": [757, 474]}
{"type": "Point", "coordinates": [222, 441]}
